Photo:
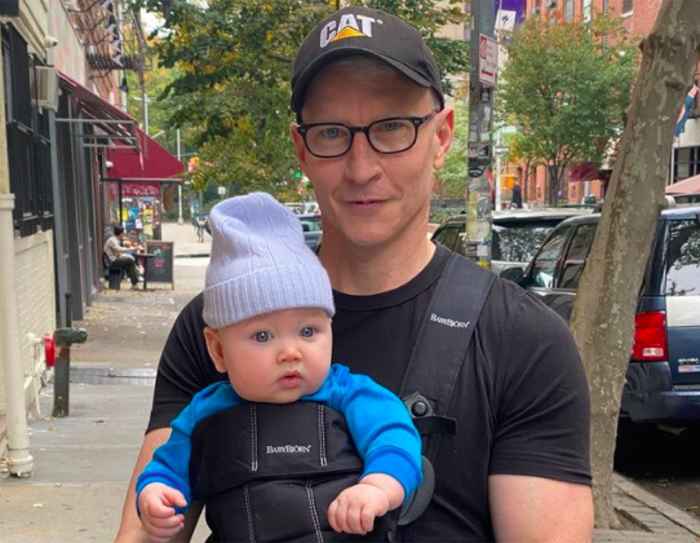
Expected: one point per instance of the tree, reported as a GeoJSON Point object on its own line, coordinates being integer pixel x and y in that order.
{"type": "Point", "coordinates": [234, 59]}
{"type": "Point", "coordinates": [603, 315]}
{"type": "Point", "coordinates": [452, 176]}
{"type": "Point", "coordinates": [566, 87]}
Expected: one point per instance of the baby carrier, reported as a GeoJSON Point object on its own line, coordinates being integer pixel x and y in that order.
{"type": "Point", "coordinates": [274, 480]}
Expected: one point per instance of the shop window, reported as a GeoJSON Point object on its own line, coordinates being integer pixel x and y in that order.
{"type": "Point", "coordinates": [28, 144]}
{"type": "Point", "coordinates": [586, 11]}
{"type": "Point", "coordinates": [686, 162]}
{"type": "Point", "coordinates": [568, 10]}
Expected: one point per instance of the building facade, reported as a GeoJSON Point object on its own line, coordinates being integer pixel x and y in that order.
{"type": "Point", "coordinates": [61, 102]}
{"type": "Point", "coordinates": [638, 18]}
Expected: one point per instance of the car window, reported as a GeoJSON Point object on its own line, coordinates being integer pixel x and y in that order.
{"type": "Point", "coordinates": [518, 242]}
{"type": "Point", "coordinates": [449, 237]}
{"type": "Point", "coordinates": [683, 259]}
{"type": "Point", "coordinates": [310, 225]}
{"type": "Point", "coordinates": [544, 266]}
{"type": "Point", "coordinates": [576, 256]}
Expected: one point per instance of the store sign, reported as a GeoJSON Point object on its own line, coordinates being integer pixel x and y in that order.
{"type": "Point", "coordinates": [141, 189]}
{"type": "Point", "coordinates": [488, 60]}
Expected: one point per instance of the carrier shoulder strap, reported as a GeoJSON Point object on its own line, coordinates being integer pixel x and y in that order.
{"type": "Point", "coordinates": [442, 348]}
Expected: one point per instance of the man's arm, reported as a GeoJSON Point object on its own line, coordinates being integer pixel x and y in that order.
{"type": "Point", "coordinates": [537, 510]}
{"type": "Point", "coordinates": [130, 528]}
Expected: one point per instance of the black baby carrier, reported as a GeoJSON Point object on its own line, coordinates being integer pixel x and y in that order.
{"type": "Point", "coordinates": [273, 479]}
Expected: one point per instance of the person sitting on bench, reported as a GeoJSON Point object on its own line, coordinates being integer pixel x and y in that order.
{"type": "Point", "coordinates": [121, 257]}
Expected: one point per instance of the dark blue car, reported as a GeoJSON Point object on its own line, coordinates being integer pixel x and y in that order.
{"type": "Point", "coordinates": [663, 377]}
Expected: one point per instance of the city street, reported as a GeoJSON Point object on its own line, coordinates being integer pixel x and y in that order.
{"type": "Point", "coordinates": [83, 462]}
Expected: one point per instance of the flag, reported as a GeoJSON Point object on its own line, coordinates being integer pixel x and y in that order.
{"type": "Point", "coordinates": [685, 110]}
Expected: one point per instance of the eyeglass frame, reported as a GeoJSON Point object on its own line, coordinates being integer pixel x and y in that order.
{"type": "Point", "coordinates": [303, 129]}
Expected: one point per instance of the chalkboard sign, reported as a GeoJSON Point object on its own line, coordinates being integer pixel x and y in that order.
{"type": "Point", "coordinates": [159, 263]}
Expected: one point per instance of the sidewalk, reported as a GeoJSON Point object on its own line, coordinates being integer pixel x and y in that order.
{"type": "Point", "coordinates": [82, 463]}
{"type": "Point", "coordinates": [185, 239]}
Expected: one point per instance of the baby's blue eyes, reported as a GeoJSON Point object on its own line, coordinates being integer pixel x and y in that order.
{"type": "Point", "coordinates": [262, 336]}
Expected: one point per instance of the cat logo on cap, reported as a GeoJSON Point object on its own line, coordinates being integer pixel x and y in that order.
{"type": "Point", "coordinates": [348, 27]}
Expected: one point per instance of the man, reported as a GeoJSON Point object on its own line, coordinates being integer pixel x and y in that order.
{"type": "Point", "coordinates": [372, 129]}
{"type": "Point", "coordinates": [121, 257]}
{"type": "Point", "coordinates": [517, 199]}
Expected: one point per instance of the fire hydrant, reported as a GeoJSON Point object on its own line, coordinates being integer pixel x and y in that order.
{"type": "Point", "coordinates": [64, 338]}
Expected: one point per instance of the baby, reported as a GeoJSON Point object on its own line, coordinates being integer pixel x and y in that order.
{"type": "Point", "coordinates": [268, 305]}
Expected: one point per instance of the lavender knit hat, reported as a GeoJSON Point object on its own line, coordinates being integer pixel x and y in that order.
{"type": "Point", "coordinates": [260, 263]}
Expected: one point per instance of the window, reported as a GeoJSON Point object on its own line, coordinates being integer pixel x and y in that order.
{"type": "Point", "coordinates": [686, 162]}
{"type": "Point", "coordinates": [586, 11]}
{"type": "Point", "coordinates": [28, 143]}
{"type": "Point", "coordinates": [542, 273]}
{"type": "Point", "coordinates": [449, 237]}
{"type": "Point", "coordinates": [576, 256]}
{"type": "Point", "coordinates": [683, 259]}
{"type": "Point", "coordinates": [568, 10]}
{"type": "Point", "coordinates": [627, 6]}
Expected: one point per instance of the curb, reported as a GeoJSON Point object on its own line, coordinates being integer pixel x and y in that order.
{"type": "Point", "coordinates": [192, 255]}
{"type": "Point", "coordinates": [672, 513]}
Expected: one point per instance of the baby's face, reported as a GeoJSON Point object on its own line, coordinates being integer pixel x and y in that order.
{"type": "Point", "coordinates": [276, 357]}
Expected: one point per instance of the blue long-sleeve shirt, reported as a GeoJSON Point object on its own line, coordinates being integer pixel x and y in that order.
{"type": "Point", "coordinates": [378, 421]}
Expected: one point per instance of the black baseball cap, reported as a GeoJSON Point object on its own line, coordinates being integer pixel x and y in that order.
{"type": "Point", "coordinates": [364, 31]}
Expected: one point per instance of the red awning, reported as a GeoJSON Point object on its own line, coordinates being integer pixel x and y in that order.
{"type": "Point", "coordinates": [584, 171]}
{"type": "Point", "coordinates": [152, 164]}
{"type": "Point", "coordinates": [691, 185]}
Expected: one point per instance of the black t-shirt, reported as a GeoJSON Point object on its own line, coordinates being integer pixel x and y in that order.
{"type": "Point", "coordinates": [521, 403]}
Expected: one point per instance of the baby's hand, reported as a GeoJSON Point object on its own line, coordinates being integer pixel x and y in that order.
{"type": "Point", "coordinates": [157, 504]}
{"type": "Point", "coordinates": [356, 507]}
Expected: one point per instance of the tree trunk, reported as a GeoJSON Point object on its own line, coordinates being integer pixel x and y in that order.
{"type": "Point", "coordinates": [553, 185]}
{"type": "Point", "coordinates": [526, 182]}
{"type": "Point", "coordinates": [603, 316]}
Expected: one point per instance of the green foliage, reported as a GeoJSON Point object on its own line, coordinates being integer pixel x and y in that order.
{"type": "Point", "coordinates": [453, 175]}
{"type": "Point", "coordinates": [566, 87]}
{"type": "Point", "coordinates": [232, 61]}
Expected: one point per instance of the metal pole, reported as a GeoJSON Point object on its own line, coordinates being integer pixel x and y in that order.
{"type": "Point", "coordinates": [477, 190]}
{"type": "Point", "coordinates": [145, 113]}
{"type": "Point", "coordinates": [497, 176]}
{"type": "Point", "coordinates": [671, 178]}
{"type": "Point", "coordinates": [179, 186]}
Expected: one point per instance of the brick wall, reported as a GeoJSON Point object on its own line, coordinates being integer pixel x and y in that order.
{"type": "Point", "coordinates": [34, 273]}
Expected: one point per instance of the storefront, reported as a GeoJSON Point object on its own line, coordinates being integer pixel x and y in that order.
{"type": "Point", "coordinates": [135, 186]}
{"type": "Point", "coordinates": [85, 125]}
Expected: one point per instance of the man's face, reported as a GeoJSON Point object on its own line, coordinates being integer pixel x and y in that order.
{"type": "Point", "coordinates": [277, 357]}
{"type": "Point", "coordinates": [367, 198]}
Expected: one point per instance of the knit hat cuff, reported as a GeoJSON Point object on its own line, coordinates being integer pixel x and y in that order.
{"type": "Point", "coordinates": [266, 290]}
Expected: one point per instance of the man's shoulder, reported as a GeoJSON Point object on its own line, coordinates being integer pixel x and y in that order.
{"type": "Point", "coordinates": [508, 305]}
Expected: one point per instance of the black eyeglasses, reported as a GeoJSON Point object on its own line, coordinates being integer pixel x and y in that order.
{"type": "Point", "coordinates": [386, 136]}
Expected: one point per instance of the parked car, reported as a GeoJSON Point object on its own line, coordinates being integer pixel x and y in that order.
{"type": "Point", "coordinates": [663, 377]}
{"type": "Point", "coordinates": [313, 230]}
{"type": "Point", "coordinates": [515, 235]}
